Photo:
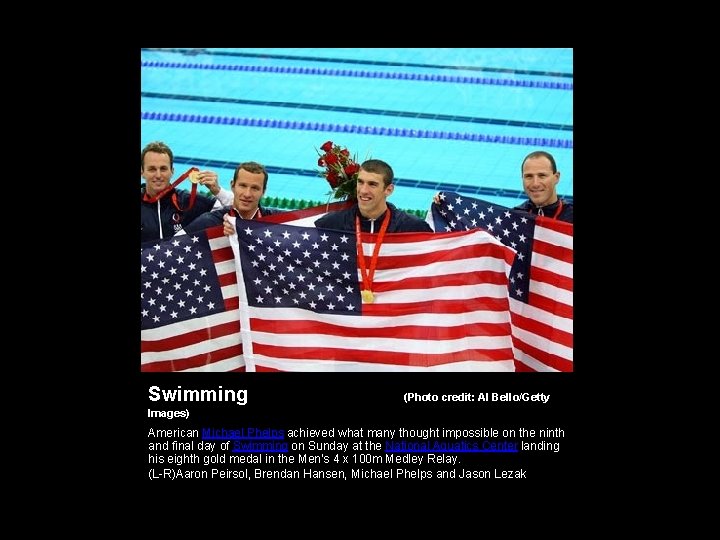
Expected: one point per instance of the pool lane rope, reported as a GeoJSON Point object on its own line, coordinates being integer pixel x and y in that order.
{"type": "Point", "coordinates": [334, 72]}
{"type": "Point", "coordinates": [353, 128]}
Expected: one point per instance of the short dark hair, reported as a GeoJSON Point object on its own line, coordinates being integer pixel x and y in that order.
{"type": "Point", "coordinates": [158, 147]}
{"type": "Point", "coordinates": [538, 154]}
{"type": "Point", "coordinates": [378, 166]}
{"type": "Point", "coordinates": [253, 167]}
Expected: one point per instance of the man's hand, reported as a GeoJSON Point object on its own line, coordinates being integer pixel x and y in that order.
{"type": "Point", "coordinates": [210, 180]}
{"type": "Point", "coordinates": [228, 228]}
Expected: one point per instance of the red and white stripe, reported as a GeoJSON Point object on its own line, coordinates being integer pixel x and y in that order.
{"type": "Point", "coordinates": [440, 305]}
{"type": "Point", "coordinates": [210, 343]}
{"type": "Point", "coordinates": [213, 343]}
{"type": "Point", "coordinates": [542, 330]}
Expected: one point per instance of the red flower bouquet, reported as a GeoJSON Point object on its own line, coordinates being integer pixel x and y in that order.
{"type": "Point", "coordinates": [340, 170]}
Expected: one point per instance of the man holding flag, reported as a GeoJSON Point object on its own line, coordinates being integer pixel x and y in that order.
{"type": "Point", "coordinates": [291, 298]}
{"type": "Point", "coordinates": [541, 281]}
{"type": "Point", "coordinates": [437, 302]}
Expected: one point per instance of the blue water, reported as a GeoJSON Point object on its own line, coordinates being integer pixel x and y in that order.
{"type": "Point", "coordinates": [455, 119]}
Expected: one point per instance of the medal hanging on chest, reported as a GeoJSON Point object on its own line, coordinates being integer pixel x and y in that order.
{"type": "Point", "coordinates": [367, 295]}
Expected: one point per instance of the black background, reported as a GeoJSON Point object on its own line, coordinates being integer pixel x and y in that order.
{"type": "Point", "coordinates": [117, 399]}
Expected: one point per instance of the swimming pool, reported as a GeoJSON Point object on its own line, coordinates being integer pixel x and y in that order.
{"type": "Point", "coordinates": [444, 119]}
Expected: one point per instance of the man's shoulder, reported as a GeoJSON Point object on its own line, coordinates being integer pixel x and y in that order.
{"type": "Point", "coordinates": [213, 217]}
{"type": "Point", "coordinates": [270, 211]}
{"type": "Point", "coordinates": [327, 218]}
{"type": "Point", "coordinates": [220, 212]}
{"type": "Point", "coordinates": [567, 212]}
{"type": "Point", "coordinates": [405, 219]}
{"type": "Point", "coordinates": [337, 217]}
{"type": "Point", "coordinates": [207, 219]}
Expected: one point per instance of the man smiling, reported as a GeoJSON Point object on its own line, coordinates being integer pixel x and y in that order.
{"type": "Point", "coordinates": [540, 178]}
{"type": "Point", "coordinates": [372, 214]}
{"type": "Point", "coordinates": [165, 210]}
{"type": "Point", "coordinates": [372, 211]}
{"type": "Point", "coordinates": [248, 185]}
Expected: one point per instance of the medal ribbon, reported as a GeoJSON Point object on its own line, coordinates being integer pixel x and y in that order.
{"type": "Point", "coordinates": [193, 192]}
{"type": "Point", "coordinates": [557, 212]}
{"type": "Point", "coordinates": [368, 277]}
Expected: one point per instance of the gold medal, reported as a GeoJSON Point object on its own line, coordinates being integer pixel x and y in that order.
{"type": "Point", "coordinates": [367, 296]}
{"type": "Point", "coordinates": [195, 177]}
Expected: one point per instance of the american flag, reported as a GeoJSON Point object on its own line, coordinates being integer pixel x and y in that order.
{"type": "Point", "coordinates": [189, 304]}
{"type": "Point", "coordinates": [440, 301]}
{"type": "Point", "coordinates": [189, 312]}
{"type": "Point", "coordinates": [541, 280]}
